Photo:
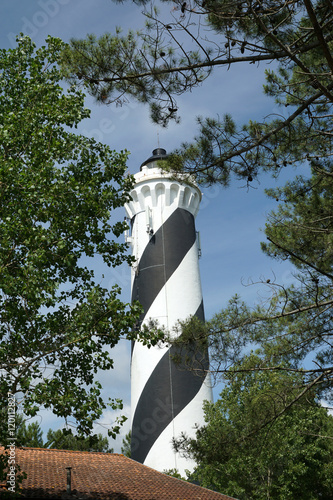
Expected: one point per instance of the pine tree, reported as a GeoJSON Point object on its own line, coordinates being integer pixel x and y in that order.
{"type": "Point", "coordinates": [158, 63]}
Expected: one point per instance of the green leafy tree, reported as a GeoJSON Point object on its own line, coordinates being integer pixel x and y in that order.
{"type": "Point", "coordinates": [63, 439]}
{"type": "Point", "coordinates": [5, 459]}
{"type": "Point", "coordinates": [58, 193]}
{"type": "Point", "coordinates": [30, 435]}
{"type": "Point", "coordinates": [244, 452]}
{"type": "Point", "coordinates": [174, 473]}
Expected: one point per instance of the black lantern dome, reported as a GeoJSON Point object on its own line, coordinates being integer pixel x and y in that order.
{"type": "Point", "coordinates": [158, 154]}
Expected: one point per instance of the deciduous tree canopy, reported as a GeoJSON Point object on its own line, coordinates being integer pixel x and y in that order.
{"type": "Point", "coordinates": [58, 193]}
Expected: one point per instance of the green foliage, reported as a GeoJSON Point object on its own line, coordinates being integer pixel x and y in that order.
{"type": "Point", "coordinates": [267, 437]}
{"type": "Point", "coordinates": [244, 452]}
{"type": "Point", "coordinates": [174, 473]}
{"type": "Point", "coordinates": [30, 435]}
{"type": "Point", "coordinates": [293, 327]}
{"type": "Point", "coordinates": [126, 445]}
{"type": "Point", "coordinates": [6, 461]}
{"type": "Point", "coordinates": [303, 222]}
{"type": "Point", "coordinates": [58, 193]}
{"type": "Point", "coordinates": [172, 56]}
{"type": "Point", "coordinates": [63, 439]}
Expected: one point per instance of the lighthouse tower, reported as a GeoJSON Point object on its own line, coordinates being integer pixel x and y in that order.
{"type": "Point", "coordinates": [166, 398]}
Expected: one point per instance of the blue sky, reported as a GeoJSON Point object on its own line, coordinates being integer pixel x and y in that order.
{"type": "Point", "coordinates": [229, 220]}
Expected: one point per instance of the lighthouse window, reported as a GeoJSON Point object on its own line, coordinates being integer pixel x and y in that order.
{"type": "Point", "coordinates": [174, 190]}
{"type": "Point", "coordinates": [132, 224]}
{"type": "Point", "coordinates": [187, 195]}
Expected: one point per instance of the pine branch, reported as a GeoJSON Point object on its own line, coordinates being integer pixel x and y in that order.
{"type": "Point", "coordinates": [205, 64]}
{"type": "Point", "coordinates": [319, 33]}
{"type": "Point", "coordinates": [297, 257]}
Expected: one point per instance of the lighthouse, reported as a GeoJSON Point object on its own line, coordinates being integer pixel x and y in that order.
{"type": "Point", "coordinates": [166, 396]}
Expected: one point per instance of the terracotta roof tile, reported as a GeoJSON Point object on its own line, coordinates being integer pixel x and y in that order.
{"type": "Point", "coordinates": [101, 476]}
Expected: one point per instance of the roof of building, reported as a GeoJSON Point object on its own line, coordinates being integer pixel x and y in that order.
{"type": "Point", "coordinates": [100, 476]}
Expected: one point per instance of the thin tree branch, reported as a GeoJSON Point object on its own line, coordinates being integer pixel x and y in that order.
{"type": "Point", "coordinates": [265, 137]}
{"type": "Point", "coordinates": [214, 62]}
{"type": "Point", "coordinates": [319, 33]}
{"type": "Point", "coordinates": [297, 257]}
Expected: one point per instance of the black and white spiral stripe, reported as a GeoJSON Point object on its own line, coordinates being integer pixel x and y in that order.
{"type": "Point", "coordinates": [167, 398]}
